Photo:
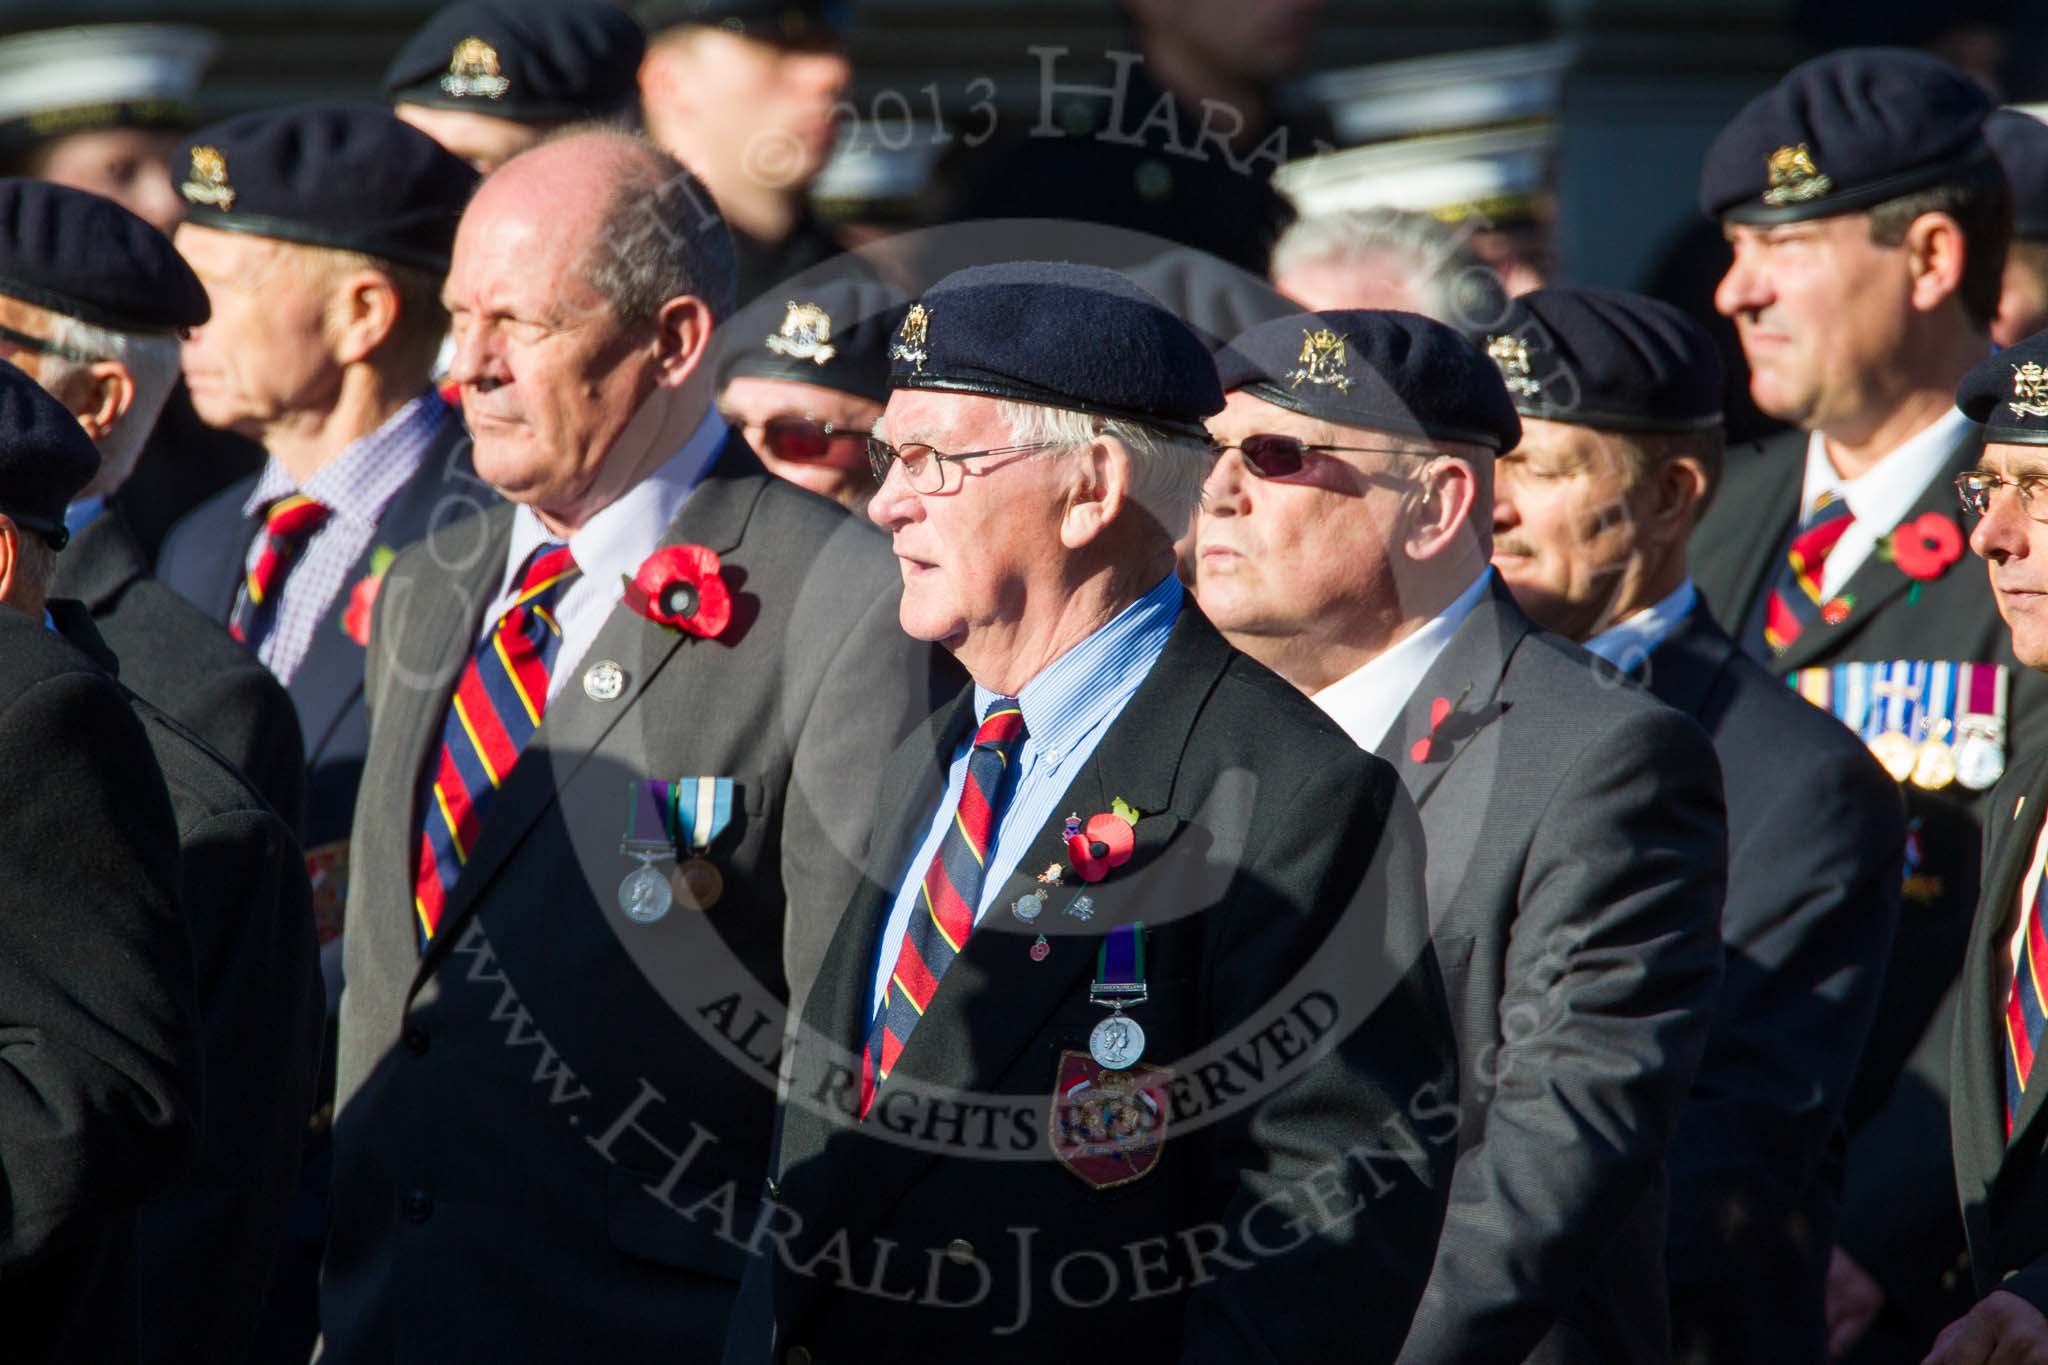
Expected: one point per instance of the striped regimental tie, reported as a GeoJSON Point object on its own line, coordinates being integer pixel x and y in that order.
{"type": "Point", "coordinates": [497, 706]}
{"type": "Point", "coordinates": [2027, 1005]}
{"type": "Point", "coordinates": [944, 914]}
{"type": "Point", "coordinates": [288, 524]}
{"type": "Point", "coordinates": [1795, 601]}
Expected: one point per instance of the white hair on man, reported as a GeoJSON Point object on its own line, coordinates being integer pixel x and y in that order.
{"type": "Point", "coordinates": [1168, 468]}
{"type": "Point", "coordinates": [151, 360]}
{"type": "Point", "coordinates": [1388, 258]}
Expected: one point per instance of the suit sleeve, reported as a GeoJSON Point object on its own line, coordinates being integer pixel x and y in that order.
{"type": "Point", "coordinates": [1611, 970]}
{"type": "Point", "coordinates": [99, 1081]}
{"type": "Point", "coordinates": [1336, 1182]}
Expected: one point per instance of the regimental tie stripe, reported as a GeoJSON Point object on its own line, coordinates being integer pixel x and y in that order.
{"type": "Point", "coordinates": [944, 914]}
{"type": "Point", "coordinates": [1795, 600]}
{"type": "Point", "coordinates": [497, 706]}
{"type": "Point", "coordinates": [2026, 1007]}
{"type": "Point", "coordinates": [288, 524]}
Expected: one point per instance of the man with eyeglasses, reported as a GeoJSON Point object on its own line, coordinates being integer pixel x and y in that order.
{"type": "Point", "coordinates": [1056, 1081]}
{"type": "Point", "coordinates": [1869, 220]}
{"type": "Point", "coordinates": [1620, 398]}
{"type": "Point", "coordinates": [1577, 842]}
{"type": "Point", "coordinates": [1995, 1112]}
{"type": "Point", "coordinates": [804, 380]}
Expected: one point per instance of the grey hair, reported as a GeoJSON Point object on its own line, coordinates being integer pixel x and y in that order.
{"type": "Point", "coordinates": [151, 360]}
{"type": "Point", "coordinates": [1168, 469]}
{"type": "Point", "coordinates": [661, 235]}
{"type": "Point", "coordinates": [1450, 282]}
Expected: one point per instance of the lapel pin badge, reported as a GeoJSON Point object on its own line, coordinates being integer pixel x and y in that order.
{"type": "Point", "coordinates": [604, 681]}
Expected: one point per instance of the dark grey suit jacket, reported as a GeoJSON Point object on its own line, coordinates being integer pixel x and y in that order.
{"type": "Point", "coordinates": [1577, 858]}
{"type": "Point", "coordinates": [524, 1110]}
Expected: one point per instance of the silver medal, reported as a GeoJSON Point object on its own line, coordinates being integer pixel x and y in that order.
{"type": "Point", "coordinates": [1980, 761]}
{"type": "Point", "coordinates": [1028, 906]}
{"type": "Point", "coordinates": [1116, 1042]}
{"type": "Point", "coordinates": [644, 895]}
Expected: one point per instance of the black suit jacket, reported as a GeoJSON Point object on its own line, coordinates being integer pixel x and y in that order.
{"type": "Point", "coordinates": [2003, 1184]}
{"type": "Point", "coordinates": [1898, 1216]}
{"type": "Point", "coordinates": [184, 664]}
{"type": "Point", "coordinates": [99, 1065]}
{"type": "Point", "coordinates": [1277, 872]}
{"type": "Point", "coordinates": [248, 912]}
{"type": "Point", "coordinates": [1813, 897]}
{"type": "Point", "coordinates": [1577, 854]}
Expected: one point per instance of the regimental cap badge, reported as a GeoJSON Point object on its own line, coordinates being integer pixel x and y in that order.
{"type": "Point", "coordinates": [1512, 357]}
{"type": "Point", "coordinates": [1794, 177]}
{"type": "Point", "coordinates": [806, 334]}
{"type": "Point", "coordinates": [208, 182]}
{"type": "Point", "coordinates": [909, 345]}
{"type": "Point", "coordinates": [473, 71]}
{"type": "Point", "coordinates": [1322, 361]}
{"type": "Point", "coordinates": [2029, 391]}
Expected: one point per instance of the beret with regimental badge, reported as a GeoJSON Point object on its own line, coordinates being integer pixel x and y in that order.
{"type": "Point", "coordinates": [1386, 370]}
{"type": "Point", "coordinates": [2020, 142]}
{"type": "Point", "coordinates": [532, 61]}
{"type": "Point", "coordinates": [835, 335]}
{"type": "Point", "coordinates": [799, 22]}
{"type": "Point", "coordinates": [45, 457]}
{"type": "Point", "coordinates": [88, 258]}
{"type": "Point", "coordinates": [350, 176]}
{"type": "Point", "coordinates": [1607, 358]}
{"type": "Point", "coordinates": [1844, 132]}
{"type": "Point", "coordinates": [1061, 335]}
{"type": "Point", "coordinates": [2007, 394]}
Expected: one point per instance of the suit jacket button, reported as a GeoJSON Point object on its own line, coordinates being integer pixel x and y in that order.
{"type": "Point", "coordinates": [419, 1206]}
{"type": "Point", "coordinates": [960, 1251]}
{"type": "Point", "coordinates": [772, 1189]}
{"type": "Point", "coordinates": [797, 1356]}
{"type": "Point", "coordinates": [416, 1040]}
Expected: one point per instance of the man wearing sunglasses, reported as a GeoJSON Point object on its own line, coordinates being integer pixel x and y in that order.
{"type": "Point", "coordinates": [805, 379]}
{"type": "Point", "coordinates": [1577, 843]}
{"type": "Point", "coordinates": [1995, 1113]}
{"type": "Point", "coordinates": [1621, 448]}
{"type": "Point", "coordinates": [1029, 489]}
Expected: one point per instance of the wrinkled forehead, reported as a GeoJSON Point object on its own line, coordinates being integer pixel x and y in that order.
{"type": "Point", "coordinates": [2012, 461]}
{"type": "Point", "coordinates": [945, 421]}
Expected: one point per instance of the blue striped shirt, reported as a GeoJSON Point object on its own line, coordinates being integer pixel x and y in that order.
{"type": "Point", "coordinates": [1067, 709]}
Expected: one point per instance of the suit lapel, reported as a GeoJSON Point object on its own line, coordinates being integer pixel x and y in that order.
{"type": "Point", "coordinates": [716, 517]}
{"type": "Point", "coordinates": [1467, 674]}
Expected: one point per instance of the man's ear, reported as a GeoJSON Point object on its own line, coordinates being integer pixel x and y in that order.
{"type": "Point", "coordinates": [1935, 255]}
{"type": "Point", "coordinates": [682, 340]}
{"type": "Point", "coordinates": [1445, 500]}
{"type": "Point", "coordinates": [363, 312]}
{"type": "Point", "coordinates": [1678, 488]}
{"type": "Point", "coordinates": [1098, 491]}
{"type": "Point", "coordinates": [105, 396]}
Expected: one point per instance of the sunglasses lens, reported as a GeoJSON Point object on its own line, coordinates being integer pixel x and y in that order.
{"type": "Point", "coordinates": [1272, 457]}
{"type": "Point", "coordinates": [796, 438]}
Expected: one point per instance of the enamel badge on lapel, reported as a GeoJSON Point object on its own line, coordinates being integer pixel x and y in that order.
{"type": "Point", "coordinates": [604, 681]}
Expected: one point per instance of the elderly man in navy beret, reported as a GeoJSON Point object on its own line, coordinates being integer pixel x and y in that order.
{"type": "Point", "coordinates": [1577, 843]}
{"type": "Point", "coordinates": [1620, 399]}
{"type": "Point", "coordinates": [1131, 1033]}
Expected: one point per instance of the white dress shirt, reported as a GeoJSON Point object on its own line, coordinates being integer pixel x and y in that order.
{"type": "Point", "coordinates": [609, 548]}
{"type": "Point", "coordinates": [1625, 644]}
{"type": "Point", "coordinates": [1878, 497]}
{"type": "Point", "coordinates": [1365, 702]}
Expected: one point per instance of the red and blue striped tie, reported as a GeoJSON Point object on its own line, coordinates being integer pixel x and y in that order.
{"type": "Point", "coordinates": [496, 707]}
{"type": "Point", "coordinates": [944, 914]}
{"type": "Point", "coordinates": [288, 524]}
{"type": "Point", "coordinates": [2027, 1006]}
{"type": "Point", "coordinates": [1795, 600]}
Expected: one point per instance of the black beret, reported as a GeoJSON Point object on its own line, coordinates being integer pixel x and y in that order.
{"type": "Point", "coordinates": [835, 335]}
{"type": "Point", "coordinates": [532, 61]}
{"type": "Point", "coordinates": [351, 176]}
{"type": "Point", "coordinates": [88, 258]}
{"type": "Point", "coordinates": [45, 456]}
{"type": "Point", "coordinates": [1066, 336]}
{"type": "Point", "coordinates": [2020, 142]}
{"type": "Point", "coordinates": [790, 21]}
{"type": "Point", "coordinates": [1843, 132]}
{"type": "Point", "coordinates": [1607, 358]}
{"type": "Point", "coordinates": [2007, 394]}
{"type": "Point", "coordinates": [1364, 367]}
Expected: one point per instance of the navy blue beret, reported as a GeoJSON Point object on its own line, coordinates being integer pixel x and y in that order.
{"type": "Point", "coordinates": [1844, 132]}
{"type": "Point", "coordinates": [835, 335]}
{"type": "Point", "coordinates": [1364, 367]}
{"type": "Point", "coordinates": [2007, 394]}
{"type": "Point", "coordinates": [1066, 336]}
{"type": "Point", "coordinates": [2020, 142]}
{"type": "Point", "coordinates": [789, 21]}
{"type": "Point", "coordinates": [1607, 358]}
{"type": "Point", "coordinates": [88, 258]}
{"type": "Point", "coordinates": [45, 456]}
{"type": "Point", "coordinates": [351, 176]}
{"type": "Point", "coordinates": [533, 61]}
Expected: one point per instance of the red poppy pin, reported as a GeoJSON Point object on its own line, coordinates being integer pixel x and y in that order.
{"type": "Point", "coordinates": [1103, 841]}
{"type": "Point", "coordinates": [1924, 547]}
{"type": "Point", "coordinates": [355, 617]}
{"type": "Point", "coordinates": [678, 586]}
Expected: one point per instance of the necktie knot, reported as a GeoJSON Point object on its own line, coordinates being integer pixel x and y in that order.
{"type": "Point", "coordinates": [549, 566]}
{"type": "Point", "coordinates": [1002, 726]}
{"type": "Point", "coordinates": [295, 517]}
